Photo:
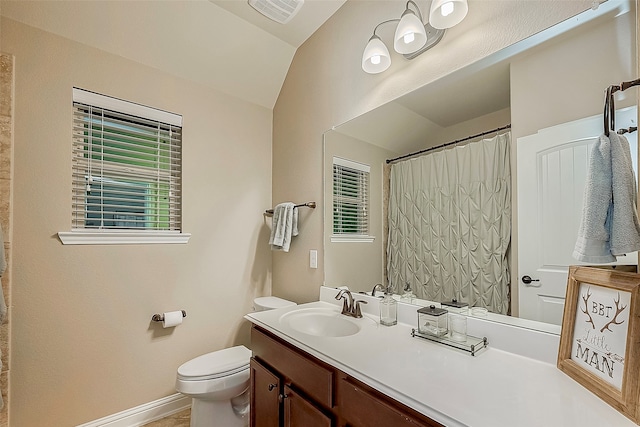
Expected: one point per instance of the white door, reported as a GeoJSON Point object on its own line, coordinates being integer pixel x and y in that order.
{"type": "Point", "coordinates": [552, 169]}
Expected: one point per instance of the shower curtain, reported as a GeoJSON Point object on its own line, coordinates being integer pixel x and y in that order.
{"type": "Point", "coordinates": [450, 224]}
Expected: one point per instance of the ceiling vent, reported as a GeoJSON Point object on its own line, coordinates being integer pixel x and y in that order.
{"type": "Point", "coordinates": [281, 11]}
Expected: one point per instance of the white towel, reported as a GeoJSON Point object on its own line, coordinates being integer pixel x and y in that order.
{"type": "Point", "coordinates": [625, 227]}
{"type": "Point", "coordinates": [285, 226]}
{"type": "Point", "coordinates": [593, 242]}
{"type": "Point", "coordinates": [609, 224]}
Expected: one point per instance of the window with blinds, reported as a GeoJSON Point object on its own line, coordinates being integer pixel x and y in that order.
{"type": "Point", "coordinates": [350, 198]}
{"type": "Point", "coordinates": [126, 166]}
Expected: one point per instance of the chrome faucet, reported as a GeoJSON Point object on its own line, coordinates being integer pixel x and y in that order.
{"type": "Point", "coordinates": [349, 306]}
{"type": "Point", "coordinates": [377, 286]}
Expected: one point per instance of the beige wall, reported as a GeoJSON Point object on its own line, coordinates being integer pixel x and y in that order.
{"type": "Point", "coordinates": [326, 86]}
{"type": "Point", "coordinates": [565, 81]}
{"type": "Point", "coordinates": [359, 265]}
{"type": "Point", "coordinates": [83, 345]}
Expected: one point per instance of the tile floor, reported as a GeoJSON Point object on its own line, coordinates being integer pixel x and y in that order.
{"type": "Point", "coordinates": [179, 419]}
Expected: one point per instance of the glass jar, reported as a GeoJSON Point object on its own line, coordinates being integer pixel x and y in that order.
{"type": "Point", "coordinates": [458, 327]}
{"type": "Point", "coordinates": [454, 306]}
{"type": "Point", "coordinates": [388, 310]}
{"type": "Point", "coordinates": [432, 321]}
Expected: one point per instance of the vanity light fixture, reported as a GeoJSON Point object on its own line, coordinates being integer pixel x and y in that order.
{"type": "Point", "coordinates": [447, 13]}
{"type": "Point", "coordinates": [412, 37]}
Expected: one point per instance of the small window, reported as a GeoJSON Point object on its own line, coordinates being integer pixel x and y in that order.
{"type": "Point", "coordinates": [126, 176]}
{"type": "Point", "coordinates": [350, 199]}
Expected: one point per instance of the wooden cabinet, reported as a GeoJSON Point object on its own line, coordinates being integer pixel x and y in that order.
{"type": "Point", "coordinates": [265, 397]}
{"type": "Point", "coordinates": [299, 411]}
{"type": "Point", "coordinates": [273, 402]}
{"type": "Point", "coordinates": [291, 388]}
{"type": "Point", "coordinates": [362, 406]}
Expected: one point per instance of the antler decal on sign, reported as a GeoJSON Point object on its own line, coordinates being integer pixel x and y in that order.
{"type": "Point", "coordinates": [600, 333]}
{"type": "Point", "coordinates": [585, 310]}
{"type": "Point", "coordinates": [619, 309]}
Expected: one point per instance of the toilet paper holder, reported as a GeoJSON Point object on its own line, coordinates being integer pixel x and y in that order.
{"type": "Point", "coordinates": [160, 317]}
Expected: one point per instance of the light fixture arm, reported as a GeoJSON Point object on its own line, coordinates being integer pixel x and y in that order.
{"type": "Point", "coordinates": [384, 22]}
{"type": "Point", "coordinates": [417, 9]}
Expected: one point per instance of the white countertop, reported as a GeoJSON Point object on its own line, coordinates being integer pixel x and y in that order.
{"type": "Point", "coordinates": [495, 388]}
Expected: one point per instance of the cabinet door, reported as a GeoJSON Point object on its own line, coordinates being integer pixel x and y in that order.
{"type": "Point", "coordinates": [298, 412]}
{"type": "Point", "coordinates": [265, 389]}
{"type": "Point", "coordinates": [363, 407]}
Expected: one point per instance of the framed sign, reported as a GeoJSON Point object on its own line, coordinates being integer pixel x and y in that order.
{"type": "Point", "coordinates": [600, 338]}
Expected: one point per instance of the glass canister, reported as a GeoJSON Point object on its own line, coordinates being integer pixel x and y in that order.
{"type": "Point", "coordinates": [454, 306]}
{"type": "Point", "coordinates": [458, 327]}
{"type": "Point", "coordinates": [432, 321]}
{"type": "Point", "coordinates": [388, 310]}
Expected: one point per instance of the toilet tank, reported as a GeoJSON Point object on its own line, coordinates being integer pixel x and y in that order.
{"type": "Point", "coordinates": [270, 303]}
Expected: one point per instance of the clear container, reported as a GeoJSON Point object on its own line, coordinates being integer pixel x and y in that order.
{"type": "Point", "coordinates": [432, 321]}
{"type": "Point", "coordinates": [454, 306]}
{"type": "Point", "coordinates": [458, 327]}
{"type": "Point", "coordinates": [408, 294]}
{"type": "Point", "coordinates": [388, 310]}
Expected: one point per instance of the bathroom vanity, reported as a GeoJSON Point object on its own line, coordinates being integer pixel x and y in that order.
{"type": "Point", "coordinates": [298, 389]}
{"type": "Point", "coordinates": [355, 372]}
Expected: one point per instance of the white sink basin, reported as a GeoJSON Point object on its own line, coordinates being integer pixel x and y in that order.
{"type": "Point", "coordinates": [320, 322]}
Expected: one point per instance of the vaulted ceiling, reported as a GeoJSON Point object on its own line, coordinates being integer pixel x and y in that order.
{"type": "Point", "coordinates": [222, 44]}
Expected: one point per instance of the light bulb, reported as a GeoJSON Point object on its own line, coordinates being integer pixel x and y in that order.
{"type": "Point", "coordinates": [410, 34]}
{"type": "Point", "coordinates": [447, 9]}
{"type": "Point", "coordinates": [447, 13]}
{"type": "Point", "coordinates": [375, 58]}
{"type": "Point", "coordinates": [409, 37]}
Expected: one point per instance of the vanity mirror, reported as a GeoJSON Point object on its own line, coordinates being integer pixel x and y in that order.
{"type": "Point", "coordinates": [553, 80]}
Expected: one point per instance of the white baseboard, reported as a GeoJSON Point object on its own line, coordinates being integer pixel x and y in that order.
{"type": "Point", "coordinates": [145, 413]}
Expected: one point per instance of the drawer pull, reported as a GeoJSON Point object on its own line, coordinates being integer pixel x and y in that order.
{"type": "Point", "coordinates": [272, 386]}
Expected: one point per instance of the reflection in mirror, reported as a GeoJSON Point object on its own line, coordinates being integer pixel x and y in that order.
{"type": "Point", "coordinates": [540, 87]}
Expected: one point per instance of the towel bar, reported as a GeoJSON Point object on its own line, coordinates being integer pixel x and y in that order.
{"type": "Point", "coordinates": [311, 205]}
{"type": "Point", "coordinates": [160, 317]}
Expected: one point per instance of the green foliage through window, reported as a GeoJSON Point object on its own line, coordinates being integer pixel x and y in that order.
{"type": "Point", "coordinates": [127, 171]}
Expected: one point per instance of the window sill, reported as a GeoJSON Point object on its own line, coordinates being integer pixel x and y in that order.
{"type": "Point", "coordinates": [352, 239]}
{"type": "Point", "coordinates": [124, 237]}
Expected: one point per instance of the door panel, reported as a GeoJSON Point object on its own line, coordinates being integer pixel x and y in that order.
{"type": "Point", "coordinates": [265, 389]}
{"type": "Point", "coordinates": [552, 168]}
{"type": "Point", "coordinates": [299, 412]}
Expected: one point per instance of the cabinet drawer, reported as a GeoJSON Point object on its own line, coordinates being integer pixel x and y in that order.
{"type": "Point", "coordinates": [362, 406]}
{"type": "Point", "coordinates": [308, 375]}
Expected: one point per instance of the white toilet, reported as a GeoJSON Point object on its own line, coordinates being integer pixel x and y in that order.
{"type": "Point", "coordinates": [218, 382]}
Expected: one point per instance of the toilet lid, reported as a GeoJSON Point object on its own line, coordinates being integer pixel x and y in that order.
{"type": "Point", "coordinates": [216, 364]}
{"type": "Point", "coordinates": [273, 302]}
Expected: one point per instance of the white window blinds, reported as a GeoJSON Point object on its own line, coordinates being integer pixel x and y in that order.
{"type": "Point", "coordinates": [126, 165]}
{"type": "Point", "coordinates": [350, 198]}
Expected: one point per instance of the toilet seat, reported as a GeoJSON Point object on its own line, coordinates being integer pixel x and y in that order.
{"type": "Point", "coordinates": [217, 364]}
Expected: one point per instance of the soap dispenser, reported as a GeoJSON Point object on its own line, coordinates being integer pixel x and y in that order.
{"type": "Point", "coordinates": [388, 309]}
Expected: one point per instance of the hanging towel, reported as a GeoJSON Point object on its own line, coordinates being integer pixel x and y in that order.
{"type": "Point", "coordinates": [625, 227]}
{"type": "Point", "coordinates": [609, 224]}
{"type": "Point", "coordinates": [285, 226]}
{"type": "Point", "coordinates": [593, 242]}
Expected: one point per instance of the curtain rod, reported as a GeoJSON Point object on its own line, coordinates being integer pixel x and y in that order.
{"type": "Point", "coordinates": [426, 150]}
